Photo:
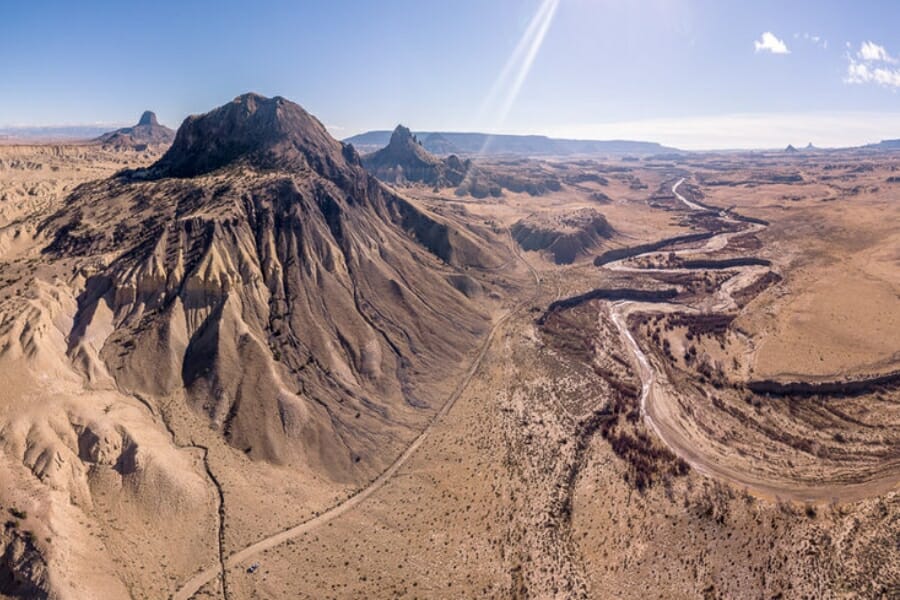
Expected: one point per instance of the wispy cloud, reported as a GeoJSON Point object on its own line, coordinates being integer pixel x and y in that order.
{"type": "Point", "coordinates": [815, 40]}
{"type": "Point", "coordinates": [873, 64]}
{"type": "Point", "coordinates": [769, 43]}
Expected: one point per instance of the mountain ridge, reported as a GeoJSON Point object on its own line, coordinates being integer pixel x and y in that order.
{"type": "Point", "coordinates": [491, 144]}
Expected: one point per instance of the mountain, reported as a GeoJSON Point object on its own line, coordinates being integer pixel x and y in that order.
{"type": "Point", "coordinates": [791, 150]}
{"type": "Point", "coordinates": [147, 132]}
{"type": "Point", "coordinates": [252, 312]}
{"type": "Point", "coordinates": [525, 145]}
{"type": "Point", "coordinates": [256, 220]}
{"type": "Point", "coordinates": [405, 159]}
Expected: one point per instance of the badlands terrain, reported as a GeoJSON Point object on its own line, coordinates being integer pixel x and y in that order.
{"type": "Point", "coordinates": [255, 363]}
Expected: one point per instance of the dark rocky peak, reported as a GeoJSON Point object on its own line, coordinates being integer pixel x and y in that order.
{"type": "Point", "coordinates": [402, 136]}
{"type": "Point", "coordinates": [148, 119]}
{"type": "Point", "coordinates": [259, 132]}
{"type": "Point", "coordinates": [147, 131]}
{"type": "Point", "coordinates": [405, 159]}
{"type": "Point", "coordinates": [404, 150]}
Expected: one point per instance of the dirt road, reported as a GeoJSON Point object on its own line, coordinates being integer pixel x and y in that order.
{"type": "Point", "coordinates": [189, 588]}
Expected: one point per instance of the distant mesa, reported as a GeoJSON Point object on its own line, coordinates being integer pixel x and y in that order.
{"type": "Point", "coordinates": [436, 143]}
{"type": "Point", "coordinates": [147, 132]}
{"type": "Point", "coordinates": [885, 145]}
{"type": "Point", "coordinates": [517, 145]}
{"type": "Point", "coordinates": [405, 159]}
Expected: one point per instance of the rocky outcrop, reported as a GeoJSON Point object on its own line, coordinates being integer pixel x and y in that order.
{"type": "Point", "coordinates": [404, 159]}
{"type": "Point", "coordinates": [147, 132]}
{"type": "Point", "coordinates": [566, 237]}
{"type": "Point", "coordinates": [23, 567]}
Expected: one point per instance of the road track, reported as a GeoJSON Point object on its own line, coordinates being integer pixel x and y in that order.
{"type": "Point", "coordinates": [193, 585]}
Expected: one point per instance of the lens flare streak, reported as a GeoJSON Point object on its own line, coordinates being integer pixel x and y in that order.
{"type": "Point", "coordinates": [508, 85]}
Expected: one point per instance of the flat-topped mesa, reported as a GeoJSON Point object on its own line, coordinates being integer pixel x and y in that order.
{"type": "Point", "coordinates": [258, 132]}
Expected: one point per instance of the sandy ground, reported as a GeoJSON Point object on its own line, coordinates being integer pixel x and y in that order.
{"type": "Point", "coordinates": [538, 476]}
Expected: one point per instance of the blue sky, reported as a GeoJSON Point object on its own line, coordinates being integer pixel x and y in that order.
{"type": "Point", "coordinates": [692, 73]}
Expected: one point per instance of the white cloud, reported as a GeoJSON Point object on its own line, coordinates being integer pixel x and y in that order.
{"type": "Point", "coordinates": [870, 51]}
{"type": "Point", "coordinates": [769, 43]}
{"type": "Point", "coordinates": [872, 64]}
{"type": "Point", "coordinates": [860, 72]}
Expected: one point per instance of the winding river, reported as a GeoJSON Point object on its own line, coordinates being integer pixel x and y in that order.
{"type": "Point", "coordinates": [660, 410]}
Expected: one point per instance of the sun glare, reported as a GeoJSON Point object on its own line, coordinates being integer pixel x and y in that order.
{"type": "Point", "coordinates": [508, 85]}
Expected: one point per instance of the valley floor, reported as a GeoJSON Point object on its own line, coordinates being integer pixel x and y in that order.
{"type": "Point", "coordinates": [604, 439]}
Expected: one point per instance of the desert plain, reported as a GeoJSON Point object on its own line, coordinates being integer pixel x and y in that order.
{"type": "Point", "coordinates": [271, 375]}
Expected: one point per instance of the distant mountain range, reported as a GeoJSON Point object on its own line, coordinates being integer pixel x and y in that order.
{"type": "Point", "coordinates": [52, 133]}
{"type": "Point", "coordinates": [146, 131]}
{"type": "Point", "coordinates": [483, 143]}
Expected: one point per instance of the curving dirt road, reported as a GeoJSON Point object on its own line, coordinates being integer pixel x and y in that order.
{"type": "Point", "coordinates": [661, 413]}
{"type": "Point", "coordinates": [193, 585]}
